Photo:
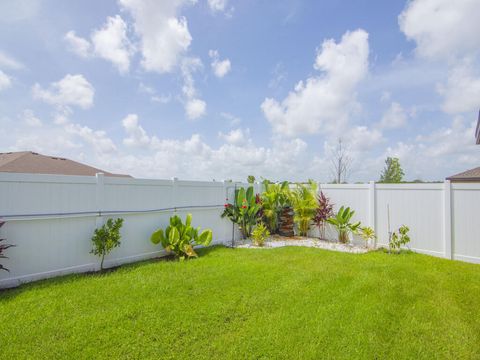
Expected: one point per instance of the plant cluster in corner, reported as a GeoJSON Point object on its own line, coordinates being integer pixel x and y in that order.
{"type": "Point", "coordinates": [179, 238]}
{"type": "Point", "coordinates": [106, 238]}
{"type": "Point", "coordinates": [3, 247]}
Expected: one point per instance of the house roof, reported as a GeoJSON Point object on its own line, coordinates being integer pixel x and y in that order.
{"type": "Point", "coordinates": [34, 163]}
{"type": "Point", "coordinates": [472, 175]}
{"type": "Point", "coordinates": [477, 132]}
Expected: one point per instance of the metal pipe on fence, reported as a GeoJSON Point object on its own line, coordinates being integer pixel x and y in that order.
{"type": "Point", "coordinates": [65, 215]}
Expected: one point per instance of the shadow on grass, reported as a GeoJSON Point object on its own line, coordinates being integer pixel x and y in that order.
{"type": "Point", "coordinates": [9, 293]}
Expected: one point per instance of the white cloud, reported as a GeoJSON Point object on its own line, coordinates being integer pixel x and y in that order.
{"type": "Point", "coordinates": [361, 138]}
{"type": "Point", "coordinates": [220, 67]}
{"type": "Point", "coordinates": [462, 90]}
{"type": "Point", "coordinates": [5, 81]}
{"type": "Point", "coordinates": [136, 134]}
{"type": "Point", "coordinates": [236, 137]}
{"type": "Point", "coordinates": [444, 152]}
{"type": "Point", "coordinates": [394, 117]}
{"type": "Point", "coordinates": [162, 99]}
{"type": "Point", "coordinates": [78, 45]}
{"type": "Point", "coordinates": [96, 139]}
{"type": "Point", "coordinates": [217, 5]}
{"type": "Point", "coordinates": [72, 90]}
{"type": "Point", "coordinates": [232, 119]}
{"type": "Point", "coordinates": [442, 28]}
{"type": "Point", "coordinates": [8, 62]}
{"type": "Point", "coordinates": [111, 43]}
{"type": "Point", "coordinates": [28, 116]}
{"type": "Point", "coordinates": [194, 107]}
{"type": "Point", "coordinates": [221, 6]}
{"type": "Point", "coordinates": [164, 36]}
{"type": "Point", "coordinates": [324, 102]}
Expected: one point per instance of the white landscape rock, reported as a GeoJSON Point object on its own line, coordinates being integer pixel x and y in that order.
{"type": "Point", "coordinates": [276, 242]}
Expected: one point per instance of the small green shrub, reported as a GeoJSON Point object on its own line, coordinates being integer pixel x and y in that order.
{"type": "Point", "coordinates": [342, 223]}
{"type": "Point", "coordinates": [3, 247]}
{"type": "Point", "coordinates": [367, 234]}
{"type": "Point", "coordinates": [106, 238]}
{"type": "Point", "coordinates": [179, 238]}
{"type": "Point", "coordinates": [397, 240]}
{"type": "Point", "coordinates": [260, 234]}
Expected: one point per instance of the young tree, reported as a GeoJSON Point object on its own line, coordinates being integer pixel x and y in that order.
{"type": "Point", "coordinates": [251, 179]}
{"type": "Point", "coordinates": [393, 172]}
{"type": "Point", "coordinates": [340, 162]}
{"type": "Point", "coordinates": [106, 238]}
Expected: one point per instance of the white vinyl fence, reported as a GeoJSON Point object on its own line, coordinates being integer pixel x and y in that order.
{"type": "Point", "coordinates": [51, 218]}
{"type": "Point", "coordinates": [443, 218]}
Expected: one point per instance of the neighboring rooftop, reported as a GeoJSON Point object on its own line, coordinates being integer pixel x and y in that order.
{"type": "Point", "coordinates": [477, 132]}
{"type": "Point", "coordinates": [472, 175]}
{"type": "Point", "coordinates": [34, 163]}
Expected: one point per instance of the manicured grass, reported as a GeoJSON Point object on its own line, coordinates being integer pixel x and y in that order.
{"type": "Point", "coordinates": [288, 303]}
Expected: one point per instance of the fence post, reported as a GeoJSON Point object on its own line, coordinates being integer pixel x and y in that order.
{"type": "Point", "coordinates": [447, 219]}
{"type": "Point", "coordinates": [99, 198]}
{"type": "Point", "coordinates": [371, 206]}
{"type": "Point", "coordinates": [174, 193]}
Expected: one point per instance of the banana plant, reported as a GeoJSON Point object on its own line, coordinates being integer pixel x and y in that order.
{"type": "Point", "coordinates": [305, 205]}
{"type": "Point", "coordinates": [246, 210]}
{"type": "Point", "coordinates": [179, 238]}
{"type": "Point", "coordinates": [341, 221]}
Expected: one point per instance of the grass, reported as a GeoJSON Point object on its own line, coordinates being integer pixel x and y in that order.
{"type": "Point", "coordinates": [287, 303]}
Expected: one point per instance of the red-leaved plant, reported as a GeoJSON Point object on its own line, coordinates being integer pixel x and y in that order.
{"type": "Point", "coordinates": [324, 211]}
{"type": "Point", "coordinates": [3, 247]}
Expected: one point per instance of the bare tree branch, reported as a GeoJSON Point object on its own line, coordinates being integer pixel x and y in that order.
{"type": "Point", "coordinates": [340, 162]}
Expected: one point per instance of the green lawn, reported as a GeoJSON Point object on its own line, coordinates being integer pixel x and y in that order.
{"type": "Point", "coordinates": [288, 303]}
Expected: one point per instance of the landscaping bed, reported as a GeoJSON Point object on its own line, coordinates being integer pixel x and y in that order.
{"type": "Point", "coordinates": [276, 241]}
{"type": "Point", "coordinates": [286, 303]}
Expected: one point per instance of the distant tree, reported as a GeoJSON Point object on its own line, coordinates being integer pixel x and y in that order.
{"type": "Point", "coordinates": [251, 179]}
{"type": "Point", "coordinates": [340, 163]}
{"type": "Point", "coordinates": [393, 172]}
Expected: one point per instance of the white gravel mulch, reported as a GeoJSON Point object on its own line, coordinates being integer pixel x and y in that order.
{"type": "Point", "coordinates": [280, 241]}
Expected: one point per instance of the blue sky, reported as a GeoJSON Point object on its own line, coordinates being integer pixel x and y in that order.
{"type": "Point", "coordinates": [223, 89]}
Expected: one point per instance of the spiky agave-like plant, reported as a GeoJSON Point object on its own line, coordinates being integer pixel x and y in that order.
{"type": "Point", "coordinates": [4, 247]}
